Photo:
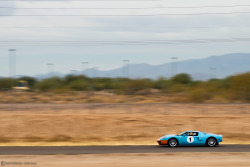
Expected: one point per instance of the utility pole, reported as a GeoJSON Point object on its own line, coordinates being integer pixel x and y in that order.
{"type": "Point", "coordinates": [50, 67]}
{"type": "Point", "coordinates": [126, 68]}
{"type": "Point", "coordinates": [174, 66]}
{"type": "Point", "coordinates": [95, 72]}
{"type": "Point", "coordinates": [12, 62]}
{"type": "Point", "coordinates": [12, 73]}
{"type": "Point", "coordinates": [85, 67]}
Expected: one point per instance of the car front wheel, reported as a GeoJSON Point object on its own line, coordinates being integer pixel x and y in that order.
{"type": "Point", "coordinates": [172, 143]}
{"type": "Point", "coordinates": [211, 142]}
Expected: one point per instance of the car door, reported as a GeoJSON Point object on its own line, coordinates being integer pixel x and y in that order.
{"type": "Point", "coordinates": [191, 138]}
{"type": "Point", "coordinates": [195, 139]}
{"type": "Point", "coordinates": [183, 138]}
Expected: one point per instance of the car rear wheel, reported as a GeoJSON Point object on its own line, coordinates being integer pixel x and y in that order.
{"type": "Point", "coordinates": [211, 142]}
{"type": "Point", "coordinates": [172, 143]}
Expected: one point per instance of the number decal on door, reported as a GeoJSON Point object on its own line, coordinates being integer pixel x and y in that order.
{"type": "Point", "coordinates": [190, 139]}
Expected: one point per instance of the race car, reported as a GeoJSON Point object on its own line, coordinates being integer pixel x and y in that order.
{"type": "Point", "coordinates": [190, 138]}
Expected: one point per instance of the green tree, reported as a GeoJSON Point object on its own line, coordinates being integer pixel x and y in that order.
{"type": "Point", "coordinates": [182, 79]}
{"type": "Point", "coordinates": [162, 83]}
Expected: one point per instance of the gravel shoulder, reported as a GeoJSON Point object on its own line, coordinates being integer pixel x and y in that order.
{"type": "Point", "coordinates": [136, 160]}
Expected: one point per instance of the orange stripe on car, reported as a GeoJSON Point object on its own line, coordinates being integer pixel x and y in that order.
{"type": "Point", "coordinates": [162, 142]}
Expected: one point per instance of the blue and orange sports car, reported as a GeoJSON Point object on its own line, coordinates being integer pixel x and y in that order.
{"type": "Point", "coordinates": [190, 138]}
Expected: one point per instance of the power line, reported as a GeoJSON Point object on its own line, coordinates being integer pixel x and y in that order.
{"type": "Point", "coordinates": [144, 15]}
{"type": "Point", "coordinates": [157, 7]}
{"type": "Point", "coordinates": [98, 43]}
{"type": "Point", "coordinates": [79, 0]}
{"type": "Point", "coordinates": [150, 27]}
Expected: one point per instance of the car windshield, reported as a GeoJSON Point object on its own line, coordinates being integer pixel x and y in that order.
{"type": "Point", "coordinates": [181, 133]}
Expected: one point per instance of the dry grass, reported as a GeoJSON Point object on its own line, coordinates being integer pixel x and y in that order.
{"type": "Point", "coordinates": [85, 97]}
{"type": "Point", "coordinates": [106, 96]}
{"type": "Point", "coordinates": [119, 124]}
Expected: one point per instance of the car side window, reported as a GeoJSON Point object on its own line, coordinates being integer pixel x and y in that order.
{"type": "Point", "coordinates": [192, 134]}
{"type": "Point", "coordinates": [196, 134]}
{"type": "Point", "coordinates": [185, 134]}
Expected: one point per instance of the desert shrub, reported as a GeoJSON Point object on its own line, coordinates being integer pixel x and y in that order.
{"type": "Point", "coordinates": [197, 95]}
{"type": "Point", "coordinates": [136, 85]}
{"type": "Point", "coordinates": [78, 85]}
{"type": "Point", "coordinates": [162, 83]}
{"type": "Point", "coordinates": [7, 83]}
{"type": "Point", "coordinates": [49, 84]}
{"type": "Point", "coordinates": [240, 87]}
{"type": "Point", "coordinates": [71, 78]}
{"type": "Point", "coordinates": [182, 79]}
{"type": "Point", "coordinates": [177, 88]}
{"type": "Point", "coordinates": [233, 88]}
{"type": "Point", "coordinates": [103, 83]}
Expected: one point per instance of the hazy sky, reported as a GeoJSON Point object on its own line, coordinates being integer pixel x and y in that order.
{"type": "Point", "coordinates": [156, 21]}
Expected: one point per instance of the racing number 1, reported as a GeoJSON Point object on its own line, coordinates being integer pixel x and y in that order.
{"type": "Point", "coordinates": [190, 139]}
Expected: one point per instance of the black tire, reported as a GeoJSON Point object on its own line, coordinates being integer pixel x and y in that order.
{"type": "Point", "coordinates": [211, 142]}
{"type": "Point", "coordinates": [172, 143]}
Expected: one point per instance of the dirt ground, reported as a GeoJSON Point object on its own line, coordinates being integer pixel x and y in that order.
{"type": "Point", "coordinates": [135, 160]}
{"type": "Point", "coordinates": [118, 124]}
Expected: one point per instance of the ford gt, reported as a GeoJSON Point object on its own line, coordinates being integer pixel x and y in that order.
{"type": "Point", "coordinates": [190, 138]}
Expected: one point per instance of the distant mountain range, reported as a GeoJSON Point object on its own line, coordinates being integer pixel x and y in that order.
{"type": "Point", "coordinates": [199, 69]}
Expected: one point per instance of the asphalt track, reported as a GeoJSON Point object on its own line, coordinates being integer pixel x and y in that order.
{"type": "Point", "coordinates": [72, 150]}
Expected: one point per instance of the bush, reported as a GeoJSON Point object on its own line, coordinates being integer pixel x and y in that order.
{"type": "Point", "coordinates": [182, 79]}
{"type": "Point", "coordinates": [78, 85]}
{"type": "Point", "coordinates": [49, 84]}
{"type": "Point", "coordinates": [162, 83]}
{"type": "Point", "coordinates": [136, 85]}
{"type": "Point", "coordinates": [234, 88]}
{"type": "Point", "coordinates": [103, 83]}
{"type": "Point", "coordinates": [72, 78]}
{"type": "Point", "coordinates": [197, 95]}
{"type": "Point", "coordinates": [7, 83]}
{"type": "Point", "coordinates": [240, 86]}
